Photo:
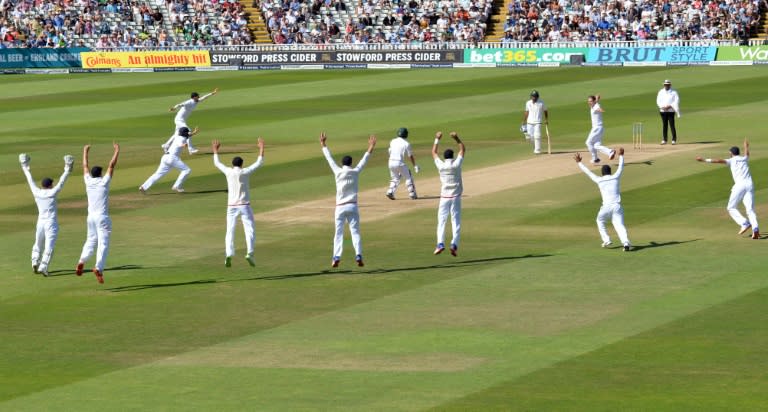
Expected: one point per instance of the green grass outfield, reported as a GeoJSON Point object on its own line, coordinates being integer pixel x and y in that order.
{"type": "Point", "coordinates": [532, 315]}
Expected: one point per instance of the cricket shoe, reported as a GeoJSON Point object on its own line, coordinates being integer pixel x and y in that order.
{"type": "Point", "coordinates": [413, 196]}
{"type": "Point", "coordinates": [439, 249]}
{"type": "Point", "coordinates": [453, 250]}
{"type": "Point", "coordinates": [178, 189]}
{"type": "Point", "coordinates": [43, 271]}
{"type": "Point", "coordinates": [612, 155]}
{"type": "Point", "coordinates": [663, 142]}
{"type": "Point", "coordinates": [335, 262]}
{"type": "Point", "coordinates": [674, 142]}
{"type": "Point", "coordinates": [249, 258]}
{"type": "Point", "coordinates": [193, 151]}
{"type": "Point", "coordinates": [391, 196]}
{"type": "Point", "coordinates": [606, 244]}
{"type": "Point", "coordinates": [142, 190]}
{"type": "Point", "coordinates": [359, 260]}
{"type": "Point", "coordinates": [228, 261]}
{"type": "Point", "coordinates": [537, 152]}
{"type": "Point", "coordinates": [34, 269]}
{"type": "Point", "coordinates": [79, 269]}
{"type": "Point", "coordinates": [756, 234]}
{"type": "Point", "coordinates": [594, 161]}
{"type": "Point", "coordinates": [99, 275]}
{"type": "Point", "coordinates": [627, 248]}
{"type": "Point", "coordinates": [744, 228]}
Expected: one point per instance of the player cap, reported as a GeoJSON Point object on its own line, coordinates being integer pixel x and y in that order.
{"type": "Point", "coordinates": [667, 81]}
{"type": "Point", "coordinates": [402, 132]}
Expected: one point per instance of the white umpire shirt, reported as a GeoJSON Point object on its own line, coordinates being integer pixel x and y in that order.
{"type": "Point", "coordinates": [97, 189]}
{"type": "Point", "coordinates": [535, 111]}
{"type": "Point", "coordinates": [186, 107]}
{"type": "Point", "coordinates": [609, 185]}
{"type": "Point", "coordinates": [238, 181]}
{"type": "Point", "coordinates": [347, 178]}
{"type": "Point", "coordinates": [740, 170]}
{"type": "Point", "coordinates": [668, 98]}
{"type": "Point", "coordinates": [399, 149]}
{"type": "Point", "coordinates": [450, 176]}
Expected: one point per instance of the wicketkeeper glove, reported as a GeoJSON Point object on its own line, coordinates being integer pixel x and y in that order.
{"type": "Point", "coordinates": [24, 159]}
{"type": "Point", "coordinates": [416, 168]}
{"type": "Point", "coordinates": [68, 162]}
{"type": "Point", "coordinates": [523, 129]}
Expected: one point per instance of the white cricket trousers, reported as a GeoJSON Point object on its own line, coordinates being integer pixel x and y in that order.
{"type": "Point", "coordinates": [348, 213]}
{"type": "Point", "coordinates": [534, 131]}
{"type": "Point", "coordinates": [246, 216]}
{"type": "Point", "coordinates": [99, 230]}
{"type": "Point", "coordinates": [168, 162]}
{"type": "Point", "coordinates": [452, 206]}
{"type": "Point", "coordinates": [615, 213]}
{"type": "Point", "coordinates": [46, 232]}
{"type": "Point", "coordinates": [397, 171]}
{"type": "Point", "coordinates": [179, 125]}
{"type": "Point", "coordinates": [595, 142]}
{"type": "Point", "coordinates": [746, 194]}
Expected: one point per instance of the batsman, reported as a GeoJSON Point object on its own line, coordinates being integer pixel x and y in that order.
{"type": "Point", "coordinates": [534, 117]}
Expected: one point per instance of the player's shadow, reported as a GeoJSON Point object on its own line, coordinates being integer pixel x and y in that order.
{"type": "Point", "coordinates": [645, 162]}
{"type": "Point", "coordinates": [130, 288]}
{"type": "Point", "coordinates": [65, 272]}
{"type": "Point", "coordinates": [652, 245]}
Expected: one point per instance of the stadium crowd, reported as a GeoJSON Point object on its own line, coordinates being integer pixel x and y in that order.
{"type": "Point", "coordinates": [126, 23]}
{"type": "Point", "coordinates": [121, 23]}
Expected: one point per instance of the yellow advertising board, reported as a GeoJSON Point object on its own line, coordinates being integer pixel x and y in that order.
{"type": "Point", "coordinates": [146, 59]}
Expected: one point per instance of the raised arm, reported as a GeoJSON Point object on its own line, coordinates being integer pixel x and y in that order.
{"type": "Point", "coordinates": [215, 145]}
{"type": "Point", "coordinates": [113, 161]}
{"type": "Point", "coordinates": [438, 136]}
{"type": "Point", "coordinates": [68, 164]}
{"type": "Point", "coordinates": [364, 160]}
{"type": "Point", "coordinates": [462, 149]}
{"type": "Point", "coordinates": [260, 161]}
{"type": "Point", "coordinates": [86, 169]}
{"type": "Point", "coordinates": [327, 152]}
{"type": "Point", "coordinates": [205, 96]}
{"type": "Point", "coordinates": [746, 147]}
{"type": "Point", "coordinates": [584, 169]}
{"type": "Point", "coordinates": [28, 174]}
{"type": "Point", "coordinates": [620, 169]}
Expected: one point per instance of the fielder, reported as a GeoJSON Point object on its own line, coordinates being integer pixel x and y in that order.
{"type": "Point", "coordinates": [595, 138]}
{"type": "Point", "coordinates": [98, 222]}
{"type": "Point", "coordinates": [47, 222]}
{"type": "Point", "coordinates": [238, 201]}
{"type": "Point", "coordinates": [347, 179]}
{"type": "Point", "coordinates": [611, 194]}
{"type": "Point", "coordinates": [399, 149]}
{"type": "Point", "coordinates": [172, 160]}
{"type": "Point", "coordinates": [535, 115]}
{"type": "Point", "coordinates": [185, 109]}
{"type": "Point", "coordinates": [743, 190]}
{"type": "Point", "coordinates": [450, 192]}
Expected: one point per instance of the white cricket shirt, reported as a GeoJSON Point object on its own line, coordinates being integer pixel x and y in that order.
{"type": "Point", "coordinates": [668, 98]}
{"type": "Point", "coordinates": [185, 108]}
{"type": "Point", "coordinates": [347, 178]}
{"type": "Point", "coordinates": [740, 169]}
{"type": "Point", "coordinates": [176, 146]}
{"type": "Point", "coordinates": [596, 115]}
{"type": "Point", "coordinates": [399, 149]}
{"type": "Point", "coordinates": [238, 181]}
{"type": "Point", "coordinates": [97, 189]}
{"type": "Point", "coordinates": [46, 198]}
{"type": "Point", "coordinates": [609, 185]}
{"type": "Point", "coordinates": [450, 176]}
{"type": "Point", "coordinates": [535, 111]}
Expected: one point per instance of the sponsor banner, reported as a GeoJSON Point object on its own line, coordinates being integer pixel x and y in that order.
{"type": "Point", "coordinates": [13, 71]}
{"type": "Point", "coordinates": [549, 64]}
{"type": "Point", "coordinates": [645, 64]}
{"type": "Point", "coordinates": [733, 53]}
{"type": "Point", "coordinates": [223, 58]}
{"type": "Point", "coordinates": [472, 65]}
{"type": "Point", "coordinates": [522, 56]}
{"type": "Point", "coordinates": [40, 58]}
{"type": "Point", "coordinates": [46, 71]}
{"type": "Point", "coordinates": [145, 59]}
{"type": "Point", "coordinates": [431, 65]}
{"type": "Point", "coordinates": [732, 63]}
{"type": "Point", "coordinates": [651, 54]}
{"type": "Point", "coordinates": [259, 67]}
{"type": "Point", "coordinates": [76, 70]}
{"type": "Point", "coordinates": [345, 66]}
{"type": "Point", "coordinates": [173, 69]}
{"type": "Point", "coordinates": [216, 68]}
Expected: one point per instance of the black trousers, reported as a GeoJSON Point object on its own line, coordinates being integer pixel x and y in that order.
{"type": "Point", "coordinates": [668, 121]}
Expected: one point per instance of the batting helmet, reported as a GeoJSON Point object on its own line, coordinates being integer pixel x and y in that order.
{"type": "Point", "coordinates": [402, 132]}
{"type": "Point", "coordinates": [184, 131]}
{"type": "Point", "coordinates": [535, 93]}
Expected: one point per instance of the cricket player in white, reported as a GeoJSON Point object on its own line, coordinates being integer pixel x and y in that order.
{"type": "Point", "coordinates": [611, 194]}
{"type": "Point", "coordinates": [595, 139]}
{"type": "Point", "coordinates": [172, 160]}
{"type": "Point", "coordinates": [184, 110]}
{"type": "Point", "coordinates": [238, 201]}
{"type": "Point", "coordinates": [98, 222]}
{"type": "Point", "coordinates": [743, 190]}
{"type": "Point", "coordinates": [347, 178]}
{"type": "Point", "coordinates": [47, 222]}
{"type": "Point", "coordinates": [450, 192]}
{"type": "Point", "coordinates": [399, 149]}
{"type": "Point", "coordinates": [535, 115]}
{"type": "Point", "coordinates": [668, 102]}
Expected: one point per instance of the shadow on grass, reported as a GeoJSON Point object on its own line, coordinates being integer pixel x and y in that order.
{"type": "Point", "coordinates": [652, 245]}
{"type": "Point", "coordinates": [65, 272]}
{"type": "Point", "coordinates": [186, 193]}
{"type": "Point", "coordinates": [458, 263]}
